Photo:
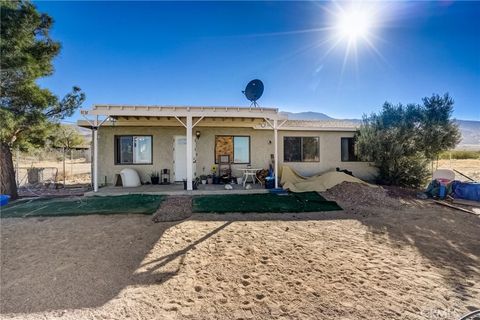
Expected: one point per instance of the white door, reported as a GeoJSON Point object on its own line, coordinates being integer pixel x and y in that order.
{"type": "Point", "coordinates": [180, 157]}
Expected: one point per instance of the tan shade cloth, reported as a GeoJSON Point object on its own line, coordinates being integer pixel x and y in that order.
{"type": "Point", "coordinates": [295, 182]}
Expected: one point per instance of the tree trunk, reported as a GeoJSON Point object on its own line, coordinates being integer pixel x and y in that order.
{"type": "Point", "coordinates": [7, 173]}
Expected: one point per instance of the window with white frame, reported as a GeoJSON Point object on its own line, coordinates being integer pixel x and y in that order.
{"type": "Point", "coordinates": [133, 150]}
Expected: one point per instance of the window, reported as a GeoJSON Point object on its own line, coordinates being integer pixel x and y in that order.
{"type": "Point", "coordinates": [301, 149]}
{"type": "Point", "coordinates": [133, 149]}
{"type": "Point", "coordinates": [236, 147]}
{"type": "Point", "coordinates": [348, 149]}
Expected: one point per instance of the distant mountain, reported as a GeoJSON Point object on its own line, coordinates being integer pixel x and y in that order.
{"type": "Point", "coordinates": [307, 116]}
{"type": "Point", "coordinates": [86, 133]}
{"type": "Point", "coordinates": [470, 134]}
{"type": "Point", "coordinates": [470, 129]}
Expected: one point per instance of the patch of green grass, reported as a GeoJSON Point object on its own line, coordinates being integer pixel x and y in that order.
{"type": "Point", "coordinates": [267, 202]}
{"type": "Point", "coordinates": [460, 154]}
{"type": "Point", "coordinates": [77, 206]}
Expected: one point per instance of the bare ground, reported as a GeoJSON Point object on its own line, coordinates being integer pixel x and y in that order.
{"type": "Point", "coordinates": [469, 167]}
{"type": "Point", "coordinates": [372, 261]}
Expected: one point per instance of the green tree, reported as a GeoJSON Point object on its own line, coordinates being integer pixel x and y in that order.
{"type": "Point", "coordinates": [439, 132]}
{"type": "Point", "coordinates": [401, 139]}
{"type": "Point", "coordinates": [28, 112]}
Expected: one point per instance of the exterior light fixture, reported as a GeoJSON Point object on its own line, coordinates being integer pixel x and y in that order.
{"type": "Point", "coordinates": [197, 134]}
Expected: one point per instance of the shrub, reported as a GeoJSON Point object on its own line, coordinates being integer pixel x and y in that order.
{"type": "Point", "coordinates": [459, 154]}
{"type": "Point", "coordinates": [400, 140]}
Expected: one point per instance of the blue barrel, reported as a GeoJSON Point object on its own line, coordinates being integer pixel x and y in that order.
{"type": "Point", "coordinates": [4, 200]}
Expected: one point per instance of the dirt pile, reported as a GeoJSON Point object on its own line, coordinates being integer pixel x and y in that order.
{"type": "Point", "coordinates": [354, 195]}
{"type": "Point", "coordinates": [174, 208]}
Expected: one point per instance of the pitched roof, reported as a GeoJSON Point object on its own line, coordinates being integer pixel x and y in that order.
{"type": "Point", "coordinates": [324, 125]}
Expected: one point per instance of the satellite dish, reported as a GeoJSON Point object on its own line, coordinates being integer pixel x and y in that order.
{"type": "Point", "coordinates": [254, 91]}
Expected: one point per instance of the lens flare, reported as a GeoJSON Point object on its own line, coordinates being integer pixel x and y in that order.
{"type": "Point", "coordinates": [354, 25]}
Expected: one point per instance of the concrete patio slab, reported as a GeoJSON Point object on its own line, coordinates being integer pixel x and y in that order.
{"type": "Point", "coordinates": [177, 189]}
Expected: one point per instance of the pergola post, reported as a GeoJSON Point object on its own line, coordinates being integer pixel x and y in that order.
{"type": "Point", "coordinates": [94, 125]}
{"type": "Point", "coordinates": [189, 126]}
{"type": "Point", "coordinates": [95, 158]}
{"type": "Point", "coordinates": [275, 139]}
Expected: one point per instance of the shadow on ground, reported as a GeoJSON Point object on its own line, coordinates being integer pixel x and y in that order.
{"type": "Point", "coordinates": [45, 268]}
{"type": "Point", "coordinates": [447, 238]}
{"type": "Point", "coordinates": [95, 260]}
{"type": "Point", "coordinates": [103, 254]}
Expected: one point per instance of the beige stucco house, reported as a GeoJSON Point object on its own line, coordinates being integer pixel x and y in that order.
{"type": "Point", "coordinates": [188, 141]}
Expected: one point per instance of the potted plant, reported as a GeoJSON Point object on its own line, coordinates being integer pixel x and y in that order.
{"type": "Point", "coordinates": [210, 179]}
{"type": "Point", "coordinates": [155, 177]}
{"type": "Point", "coordinates": [203, 178]}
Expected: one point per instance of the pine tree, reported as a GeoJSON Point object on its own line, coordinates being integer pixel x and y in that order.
{"type": "Point", "coordinates": [27, 111]}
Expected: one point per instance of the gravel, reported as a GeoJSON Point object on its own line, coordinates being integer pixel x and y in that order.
{"type": "Point", "coordinates": [174, 208]}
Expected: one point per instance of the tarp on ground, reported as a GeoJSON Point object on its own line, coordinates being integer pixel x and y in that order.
{"type": "Point", "coordinates": [293, 181]}
{"type": "Point", "coordinates": [263, 202]}
{"type": "Point", "coordinates": [76, 206]}
{"type": "Point", "coordinates": [466, 190]}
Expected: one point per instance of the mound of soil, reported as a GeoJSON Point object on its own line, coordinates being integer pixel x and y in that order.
{"type": "Point", "coordinates": [354, 195]}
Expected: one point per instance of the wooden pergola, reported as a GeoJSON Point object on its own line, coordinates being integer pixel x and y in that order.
{"type": "Point", "coordinates": [187, 116]}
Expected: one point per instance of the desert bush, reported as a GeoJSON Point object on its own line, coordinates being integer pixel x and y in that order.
{"type": "Point", "coordinates": [459, 154]}
{"type": "Point", "coordinates": [401, 140]}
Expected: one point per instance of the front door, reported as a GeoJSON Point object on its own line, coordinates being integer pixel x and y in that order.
{"type": "Point", "coordinates": [180, 157]}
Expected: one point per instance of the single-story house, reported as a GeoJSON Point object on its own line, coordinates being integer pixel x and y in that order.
{"type": "Point", "coordinates": [190, 140]}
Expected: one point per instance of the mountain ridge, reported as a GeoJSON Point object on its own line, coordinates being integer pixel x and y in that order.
{"type": "Point", "coordinates": [470, 129]}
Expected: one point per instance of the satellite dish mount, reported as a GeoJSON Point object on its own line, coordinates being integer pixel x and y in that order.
{"type": "Point", "coordinates": [254, 91]}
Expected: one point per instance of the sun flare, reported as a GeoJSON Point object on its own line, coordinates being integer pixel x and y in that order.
{"type": "Point", "coordinates": [354, 27]}
{"type": "Point", "coordinates": [354, 24]}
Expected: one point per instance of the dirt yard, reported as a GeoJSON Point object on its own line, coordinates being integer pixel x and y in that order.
{"type": "Point", "coordinates": [469, 167]}
{"type": "Point", "coordinates": [407, 261]}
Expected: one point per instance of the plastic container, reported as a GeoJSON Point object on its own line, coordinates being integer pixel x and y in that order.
{"type": "Point", "coordinates": [269, 183]}
{"type": "Point", "coordinates": [442, 191]}
{"type": "Point", "coordinates": [4, 200]}
{"type": "Point", "coordinates": [466, 190]}
{"type": "Point", "coordinates": [130, 178]}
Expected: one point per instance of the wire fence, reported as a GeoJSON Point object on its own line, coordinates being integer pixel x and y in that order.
{"type": "Point", "coordinates": [52, 169]}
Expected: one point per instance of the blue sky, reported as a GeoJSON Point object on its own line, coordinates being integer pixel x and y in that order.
{"type": "Point", "coordinates": [204, 53]}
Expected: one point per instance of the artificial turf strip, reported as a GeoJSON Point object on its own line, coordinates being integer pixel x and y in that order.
{"type": "Point", "coordinates": [293, 202]}
{"type": "Point", "coordinates": [77, 206]}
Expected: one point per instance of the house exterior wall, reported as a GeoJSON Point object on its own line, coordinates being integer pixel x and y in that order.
{"type": "Point", "coordinates": [261, 149]}
{"type": "Point", "coordinates": [330, 155]}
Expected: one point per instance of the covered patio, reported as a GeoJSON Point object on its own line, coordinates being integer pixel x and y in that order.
{"type": "Point", "coordinates": [101, 116]}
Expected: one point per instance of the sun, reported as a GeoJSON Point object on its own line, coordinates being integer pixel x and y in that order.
{"type": "Point", "coordinates": [354, 24]}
